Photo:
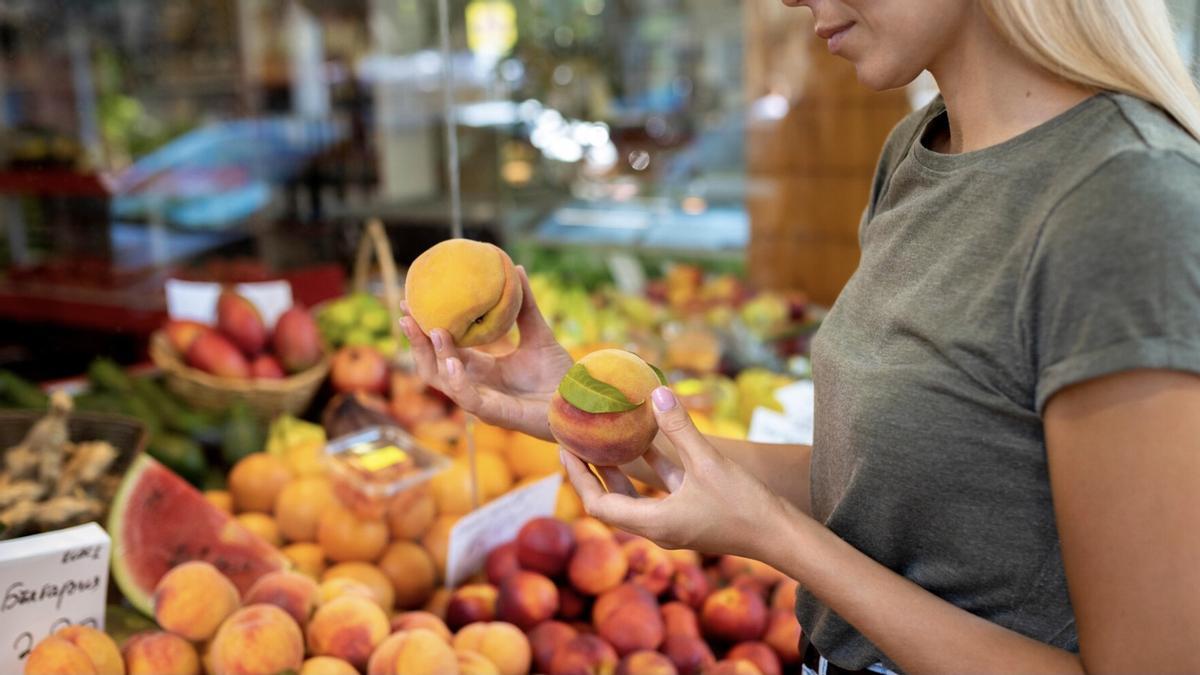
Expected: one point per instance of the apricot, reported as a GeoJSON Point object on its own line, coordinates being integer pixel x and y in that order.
{"type": "Point", "coordinates": [349, 628]}
{"type": "Point", "coordinates": [488, 438]}
{"type": "Point", "coordinates": [293, 592]}
{"type": "Point", "coordinates": [438, 433]}
{"type": "Point", "coordinates": [545, 545]}
{"type": "Point", "coordinates": [437, 539]}
{"type": "Point", "coordinates": [256, 639]}
{"type": "Point", "coordinates": [471, 603]}
{"type": "Point", "coordinates": [221, 499]}
{"type": "Point", "coordinates": [530, 457]}
{"type": "Point", "coordinates": [474, 663]}
{"type": "Point", "coordinates": [734, 615]}
{"type": "Point", "coordinates": [452, 492]}
{"type": "Point", "coordinates": [437, 602]}
{"type": "Point", "coordinates": [691, 655]}
{"type": "Point", "coordinates": [545, 639]}
{"type": "Point", "coordinates": [411, 513]}
{"type": "Point", "coordinates": [683, 556]}
{"type": "Point", "coordinates": [368, 575]}
{"type": "Point", "coordinates": [327, 665]}
{"type": "Point", "coordinates": [501, 643]}
{"type": "Point", "coordinates": [193, 599]}
{"type": "Point", "coordinates": [590, 528]}
{"type": "Point", "coordinates": [470, 289]}
{"type": "Point", "coordinates": [680, 619]}
{"type": "Point", "coordinates": [330, 589]}
{"type": "Point", "coordinates": [299, 507]}
{"type": "Point", "coordinates": [256, 481]}
{"type": "Point", "coordinates": [646, 662]}
{"type": "Point", "coordinates": [598, 565]}
{"type": "Point", "coordinates": [495, 478]}
{"type": "Point", "coordinates": [783, 635]}
{"type": "Point", "coordinates": [58, 656]}
{"type": "Point", "coordinates": [420, 619]}
{"type": "Point", "coordinates": [501, 562]}
{"type": "Point", "coordinates": [689, 586]}
{"type": "Point", "coordinates": [758, 653]}
{"type": "Point", "coordinates": [413, 652]}
{"type": "Point", "coordinates": [262, 525]}
{"type": "Point", "coordinates": [567, 505]}
{"type": "Point", "coordinates": [784, 595]}
{"type": "Point", "coordinates": [649, 565]}
{"type": "Point", "coordinates": [155, 652]}
{"type": "Point", "coordinates": [345, 537]}
{"type": "Point", "coordinates": [733, 667]}
{"type": "Point", "coordinates": [526, 599]}
{"type": "Point", "coordinates": [628, 618]}
{"type": "Point", "coordinates": [607, 438]}
{"type": "Point", "coordinates": [307, 558]}
{"type": "Point", "coordinates": [584, 655]}
{"type": "Point", "coordinates": [99, 647]}
{"type": "Point", "coordinates": [411, 571]}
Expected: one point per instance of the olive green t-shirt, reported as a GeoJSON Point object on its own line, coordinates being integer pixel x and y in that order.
{"type": "Point", "coordinates": [990, 280]}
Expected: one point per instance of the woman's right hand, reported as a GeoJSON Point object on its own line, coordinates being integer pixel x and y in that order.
{"type": "Point", "coordinates": [511, 391]}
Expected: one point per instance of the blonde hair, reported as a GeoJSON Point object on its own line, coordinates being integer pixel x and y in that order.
{"type": "Point", "coordinates": [1115, 45]}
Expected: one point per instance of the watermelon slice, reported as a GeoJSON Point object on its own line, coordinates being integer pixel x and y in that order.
{"type": "Point", "coordinates": [158, 521]}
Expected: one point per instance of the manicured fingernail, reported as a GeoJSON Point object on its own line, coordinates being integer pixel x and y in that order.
{"type": "Point", "coordinates": [664, 399]}
{"type": "Point", "coordinates": [436, 336]}
{"type": "Point", "coordinates": [452, 367]}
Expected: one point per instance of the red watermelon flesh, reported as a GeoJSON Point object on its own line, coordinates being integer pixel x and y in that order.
{"type": "Point", "coordinates": [158, 521]}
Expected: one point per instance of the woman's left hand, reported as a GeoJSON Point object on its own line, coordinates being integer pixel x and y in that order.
{"type": "Point", "coordinates": [714, 505]}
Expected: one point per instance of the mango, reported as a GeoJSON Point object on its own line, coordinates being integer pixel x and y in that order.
{"type": "Point", "coordinates": [239, 319]}
{"type": "Point", "coordinates": [193, 599]}
{"type": "Point", "coordinates": [601, 411]}
{"type": "Point", "coordinates": [214, 354]}
{"type": "Point", "coordinates": [297, 341]}
{"type": "Point", "coordinates": [469, 289]}
{"type": "Point", "coordinates": [181, 333]}
{"type": "Point", "coordinates": [256, 639]}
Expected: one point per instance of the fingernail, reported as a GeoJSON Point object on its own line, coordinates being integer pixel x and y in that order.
{"type": "Point", "coordinates": [452, 367]}
{"type": "Point", "coordinates": [436, 336]}
{"type": "Point", "coordinates": [405, 327]}
{"type": "Point", "coordinates": [664, 399]}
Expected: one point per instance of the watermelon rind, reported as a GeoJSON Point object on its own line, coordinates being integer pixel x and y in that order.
{"type": "Point", "coordinates": [140, 594]}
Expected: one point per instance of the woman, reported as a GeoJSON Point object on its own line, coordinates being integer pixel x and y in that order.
{"type": "Point", "coordinates": [1006, 467]}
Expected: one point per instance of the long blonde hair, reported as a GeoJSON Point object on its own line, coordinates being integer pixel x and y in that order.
{"type": "Point", "coordinates": [1116, 45]}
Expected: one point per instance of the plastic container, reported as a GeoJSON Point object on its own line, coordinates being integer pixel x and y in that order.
{"type": "Point", "coordinates": [371, 467]}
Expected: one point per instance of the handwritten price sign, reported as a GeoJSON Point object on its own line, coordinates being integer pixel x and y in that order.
{"type": "Point", "coordinates": [50, 581]}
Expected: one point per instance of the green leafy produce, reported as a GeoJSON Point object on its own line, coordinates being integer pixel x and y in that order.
{"type": "Point", "coordinates": [588, 394]}
{"type": "Point", "coordinates": [180, 454]}
{"type": "Point", "coordinates": [244, 434]}
{"type": "Point", "coordinates": [20, 392]}
{"type": "Point", "coordinates": [106, 375]}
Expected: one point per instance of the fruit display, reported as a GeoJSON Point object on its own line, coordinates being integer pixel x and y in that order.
{"type": "Point", "coordinates": [240, 346]}
{"type": "Point", "coordinates": [358, 319]}
{"type": "Point", "coordinates": [469, 289]}
{"type": "Point", "coordinates": [602, 412]}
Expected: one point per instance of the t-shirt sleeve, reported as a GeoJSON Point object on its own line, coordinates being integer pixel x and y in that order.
{"type": "Point", "coordinates": [1114, 281]}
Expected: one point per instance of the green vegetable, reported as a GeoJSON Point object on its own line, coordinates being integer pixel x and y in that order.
{"type": "Point", "coordinates": [20, 392]}
{"type": "Point", "coordinates": [588, 394]}
{"type": "Point", "coordinates": [180, 454]}
{"type": "Point", "coordinates": [244, 434]}
{"type": "Point", "coordinates": [99, 401]}
{"type": "Point", "coordinates": [106, 375]}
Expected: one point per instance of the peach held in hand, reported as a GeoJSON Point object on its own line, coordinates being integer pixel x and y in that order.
{"type": "Point", "coordinates": [601, 411]}
{"type": "Point", "coordinates": [468, 288]}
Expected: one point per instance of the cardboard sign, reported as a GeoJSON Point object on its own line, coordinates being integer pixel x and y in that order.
{"type": "Point", "coordinates": [495, 523]}
{"type": "Point", "coordinates": [50, 581]}
{"type": "Point", "coordinates": [769, 426]}
{"type": "Point", "coordinates": [197, 300]}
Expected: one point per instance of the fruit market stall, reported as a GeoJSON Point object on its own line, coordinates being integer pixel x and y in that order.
{"type": "Point", "coordinates": [239, 546]}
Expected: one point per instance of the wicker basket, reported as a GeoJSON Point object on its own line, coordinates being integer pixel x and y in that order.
{"type": "Point", "coordinates": [267, 398]}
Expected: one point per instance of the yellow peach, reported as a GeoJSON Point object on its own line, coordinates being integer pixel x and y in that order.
{"type": "Point", "coordinates": [468, 288]}
{"type": "Point", "coordinates": [193, 599]}
{"type": "Point", "coordinates": [99, 647]}
{"type": "Point", "coordinates": [608, 438]}
{"type": "Point", "coordinates": [256, 639]}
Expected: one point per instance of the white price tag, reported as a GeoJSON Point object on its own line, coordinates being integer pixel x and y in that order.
{"type": "Point", "coordinates": [798, 400]}
{"type": "Point", "coordinates": [495, 523]}
{"type": "Point", "coordinates": [50, 581]}
{"type": "Point", "coordinates": [769, 426]}
{"type": "Point", "coordinates": [197, 300]}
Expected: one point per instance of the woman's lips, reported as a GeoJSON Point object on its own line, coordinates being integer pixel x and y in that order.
{"type": "Point", "coordinates": [834, 35]}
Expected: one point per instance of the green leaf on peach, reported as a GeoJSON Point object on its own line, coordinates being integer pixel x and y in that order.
{"type": "Point", "coordinates": [590, 395]}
